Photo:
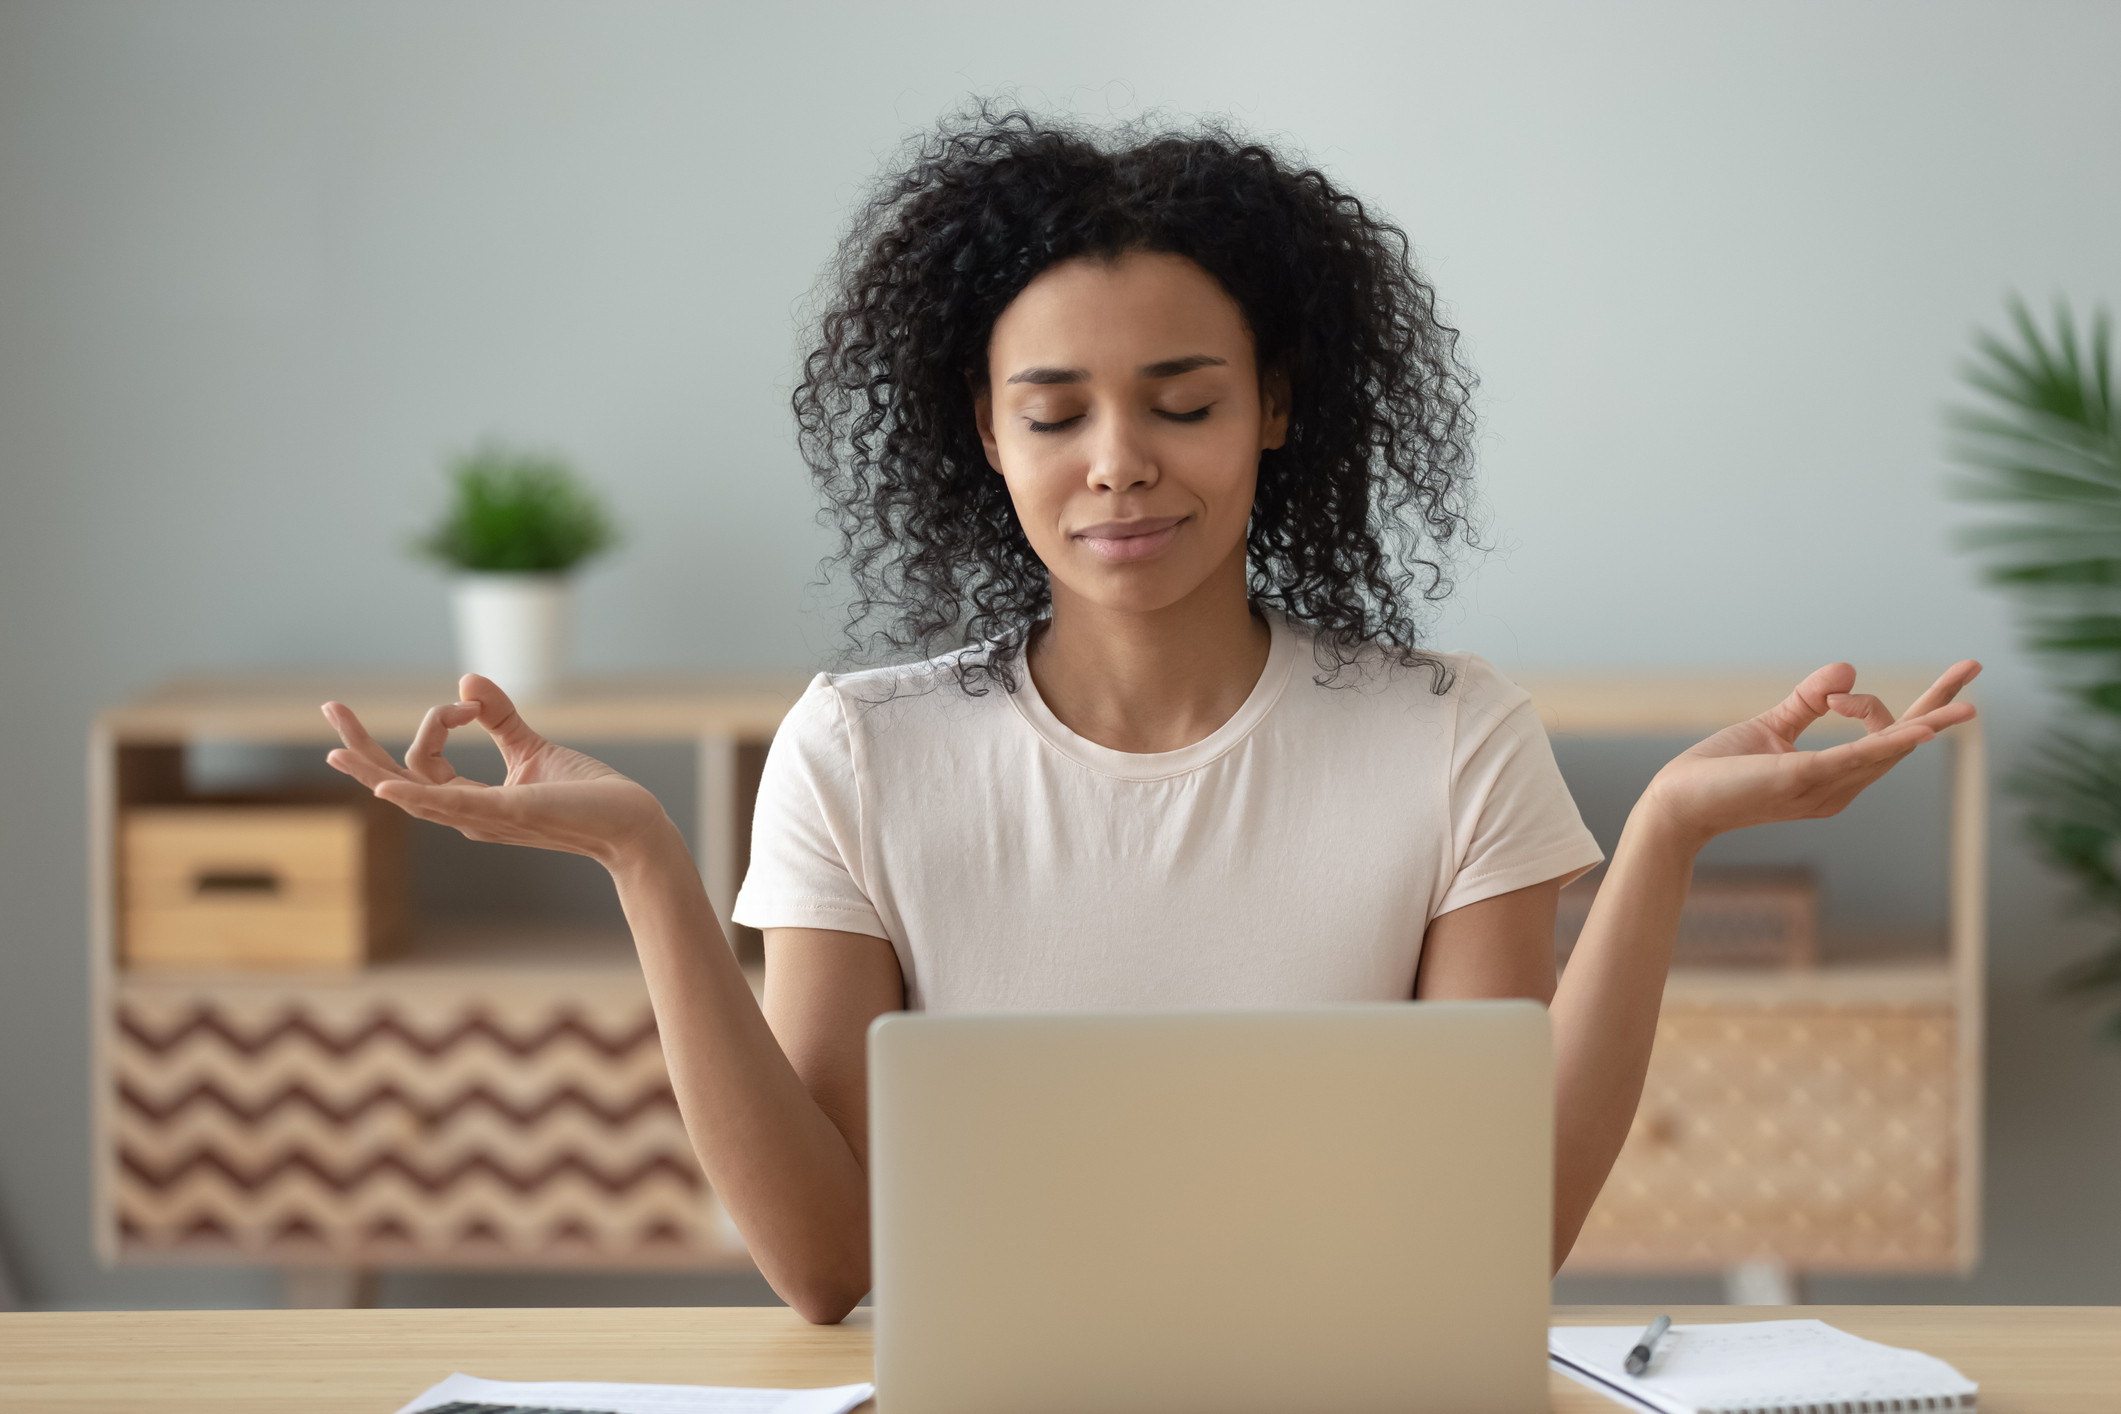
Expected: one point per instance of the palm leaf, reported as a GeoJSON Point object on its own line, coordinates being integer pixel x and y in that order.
{"type": "Point", "coordinates": [2042, 441]}
{"type": "Point", "coordinates": [2100, 573]}
{"type": "Point", "coordinates": [2085, 633]}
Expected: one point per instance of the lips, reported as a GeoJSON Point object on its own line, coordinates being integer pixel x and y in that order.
{"type": "Point", "coordinates": [1122, 540]}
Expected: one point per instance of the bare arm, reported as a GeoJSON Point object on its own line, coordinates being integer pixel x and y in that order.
{"type": "Point", "coordinates": [784, 1150]}
{"type": "Point", "coordinates": [1605, 1006]}
{"type": "Point", "coordinates": [1605, 1014]}
{"type": "Point", "coordinates": [1504, 947]}
{"type": "Point", "coordinates": [1603, 1023]}
{"type": "Point", "coordinates": [775, 1102]}
{"type": "Point", "coordinates": [1499, 947]}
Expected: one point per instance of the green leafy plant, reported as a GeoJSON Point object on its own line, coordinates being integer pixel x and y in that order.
{"type": "Point", "coordinates": [518, 511]}
{"type": "Point", "coordinates": [2043, 445]}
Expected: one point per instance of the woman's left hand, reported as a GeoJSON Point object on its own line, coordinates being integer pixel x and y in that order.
{"type": "Point", "coordinates": [1753, 773]}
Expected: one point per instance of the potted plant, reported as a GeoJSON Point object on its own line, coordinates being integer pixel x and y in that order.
{"type": "Point", "coordinates": [517, 525]}
{"type": "Point", "coordinates": [2044, 444]}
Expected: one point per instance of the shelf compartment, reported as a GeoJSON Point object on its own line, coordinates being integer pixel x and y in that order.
{"type": "Point", "coordinates": [403, 1116]}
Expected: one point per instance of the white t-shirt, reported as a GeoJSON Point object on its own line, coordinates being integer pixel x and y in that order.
{"type": "Point", "coordinates": [1295, 855]}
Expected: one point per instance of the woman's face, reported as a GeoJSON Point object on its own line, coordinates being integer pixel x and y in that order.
{"type": "Point", "coordinates": [1124, 408]}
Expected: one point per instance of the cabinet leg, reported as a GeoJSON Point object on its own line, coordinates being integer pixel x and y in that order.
{"type": "Point", "coordinates": [330, 1288]}
{"type": "Point", "coordinates": [716, 838]}
{"type": "Point", "coordinates": [1764, 1281]}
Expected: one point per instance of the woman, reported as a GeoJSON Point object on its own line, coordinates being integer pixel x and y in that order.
{"type": "Point", "coordinates": [1171, 435]}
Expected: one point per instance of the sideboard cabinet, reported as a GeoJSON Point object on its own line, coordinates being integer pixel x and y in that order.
{"type": "Point", "coordinates": [1822, 1119]}
{"type": "Point", "coordinates": [489, 1094]}
{"type": "Point", "coordinates": [494, 1095]}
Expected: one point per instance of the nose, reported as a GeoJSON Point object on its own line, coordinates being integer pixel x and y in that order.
{"type": "Point", "coordinates": [1120, 459]}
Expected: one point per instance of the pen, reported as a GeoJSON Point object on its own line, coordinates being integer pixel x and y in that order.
{"type": "Point", "coordinates": [1639, 1358]}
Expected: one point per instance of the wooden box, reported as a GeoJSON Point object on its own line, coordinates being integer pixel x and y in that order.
{"type": "Point", "coordinates": [1734, 917]}
{"type": "Point", "coordinates": [273, 886]}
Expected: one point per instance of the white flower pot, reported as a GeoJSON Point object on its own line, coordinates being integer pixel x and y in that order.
{"type": "Point", "coordinates": [517, 629]}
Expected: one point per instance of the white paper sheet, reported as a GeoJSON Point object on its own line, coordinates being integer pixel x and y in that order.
{"type": "Point", "coordinates": [640, 1399]}
{"type": "Point", "coordinates": [1611, 1391]}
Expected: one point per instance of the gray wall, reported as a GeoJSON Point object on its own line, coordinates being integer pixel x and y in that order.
{"type": "Point", "coordinates": [262, 264]}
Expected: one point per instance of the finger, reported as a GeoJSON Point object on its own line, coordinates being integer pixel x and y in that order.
{"type": "Point", "coordinates": [499, 716]}
{"type": "Point", "coordinates": [1862, 707]}
{"type": "Point", "coordinates": [355, 735]}
{"type": "Point", "coordinates": [1881, 749]}
{"type": "Point", "coordinates": [367, 772]}
{"type": "Point", "coordinates": [359, 745]}
{"type": "Point", "coordinates": [1807, 702]}
{"type": "Point", "coordinates": [424, 759]}
{"type": "Point", "coordinates": [1951, 714]}
{"type": "Point", "coordinates": [1945, 688]}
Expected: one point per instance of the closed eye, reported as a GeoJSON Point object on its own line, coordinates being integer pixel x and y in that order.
{"type": "Point", "coordinates": [1198, 414]}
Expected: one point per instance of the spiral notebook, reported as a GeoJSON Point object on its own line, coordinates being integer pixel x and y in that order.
{"type": "Point", "coordinates": [1758, 1367]}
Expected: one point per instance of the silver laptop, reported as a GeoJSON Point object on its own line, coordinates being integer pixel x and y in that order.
{"type": "Point", "coordinates": [1338, 1208]}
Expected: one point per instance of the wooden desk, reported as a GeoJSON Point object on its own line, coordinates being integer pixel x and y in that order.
{"type": "Point", "coordinates": [2029, 1359]}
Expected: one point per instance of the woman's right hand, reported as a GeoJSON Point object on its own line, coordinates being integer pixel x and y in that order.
{"type": "Point", "coordinates": [553, 798]}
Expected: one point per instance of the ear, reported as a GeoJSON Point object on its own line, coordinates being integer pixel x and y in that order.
{"type": "Point", "coordinates": [1274, 400]}
{"type": "Point", "coordinates": [983, 417]}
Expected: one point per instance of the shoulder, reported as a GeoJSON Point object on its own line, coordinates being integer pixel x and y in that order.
{"type": "Point", "coordinates": [1483, 693]}
{"type": "Point", "coordinates": [842, 707]}
{"type": "Point", "coordinates": [1454, 704]}
{"type": "Point", "coordinates": [1433, 682]}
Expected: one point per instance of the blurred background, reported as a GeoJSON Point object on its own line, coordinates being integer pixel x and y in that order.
{"type": "Point", "coordinates": [263, 267]}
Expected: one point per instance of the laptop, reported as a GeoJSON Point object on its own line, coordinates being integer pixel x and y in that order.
{"type": "Point", "coordinates": [1340, 1208]}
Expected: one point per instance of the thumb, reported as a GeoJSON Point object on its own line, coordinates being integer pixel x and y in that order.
{"type": "Point", "coordinates": [1809, 700]}
{"type": "Point", "coordinates": [499, 716]}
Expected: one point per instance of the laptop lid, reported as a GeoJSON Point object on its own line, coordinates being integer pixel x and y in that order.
{"type": "Point", "coordinates": [1344, 1208]}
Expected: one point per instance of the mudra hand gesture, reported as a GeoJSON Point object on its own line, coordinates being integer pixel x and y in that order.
{"type": "Point", "coordinates": [553, 798]}
{"type": "Point", "coordinates": [1753, 773]}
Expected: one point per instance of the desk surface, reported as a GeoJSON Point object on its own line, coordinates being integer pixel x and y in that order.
{"type": "Point", "coordinates": [2028, 1359]}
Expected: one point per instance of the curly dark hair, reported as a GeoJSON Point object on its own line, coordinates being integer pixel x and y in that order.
{"type": "Point", "coordinates": [1353, 515]}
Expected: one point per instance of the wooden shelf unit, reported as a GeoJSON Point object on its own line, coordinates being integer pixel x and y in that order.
{"type": "Point", "coordinates": [1824, 1119]}
{"type": "Point", "coordinates": [1827, 1119]}
{"type": "Point", "coordinates": [492, 1097]}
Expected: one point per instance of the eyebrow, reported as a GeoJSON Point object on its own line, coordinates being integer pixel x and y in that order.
{"type": "Point", "coordinates": [1172, 367]}
{"type": "Point", "coordinates": [1169, 368]}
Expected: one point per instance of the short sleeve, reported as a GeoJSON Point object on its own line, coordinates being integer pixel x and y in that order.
{"type": "Point", "coordinates": [806, 835]}
{"type": "Point", "coordinates": [1513, 822]}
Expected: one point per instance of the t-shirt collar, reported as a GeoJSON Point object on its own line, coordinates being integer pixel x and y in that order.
{"type": "Point", "coordinates": [1282, 650]}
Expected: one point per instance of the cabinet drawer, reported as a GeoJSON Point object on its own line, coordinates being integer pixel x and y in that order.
{"type": "Point", "coordinates": [1824, 1137]}
{"type": "Point", "coordinates": [527, 1123]}
{"type": "Point", "coordinates": [270, 886]}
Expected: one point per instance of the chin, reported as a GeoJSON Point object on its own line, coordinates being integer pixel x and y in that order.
{"type": "Point", "coordinates": [1137, 593]}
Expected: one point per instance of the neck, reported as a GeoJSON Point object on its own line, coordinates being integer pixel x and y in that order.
{"type": "Point", "coordinates": [1154, 680]}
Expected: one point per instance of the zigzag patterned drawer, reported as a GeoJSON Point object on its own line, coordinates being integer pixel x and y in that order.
{"type": "Point", "coordinates": [1824, 1137]}
{"type": "Point", "coordinates": [484, 1122]}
